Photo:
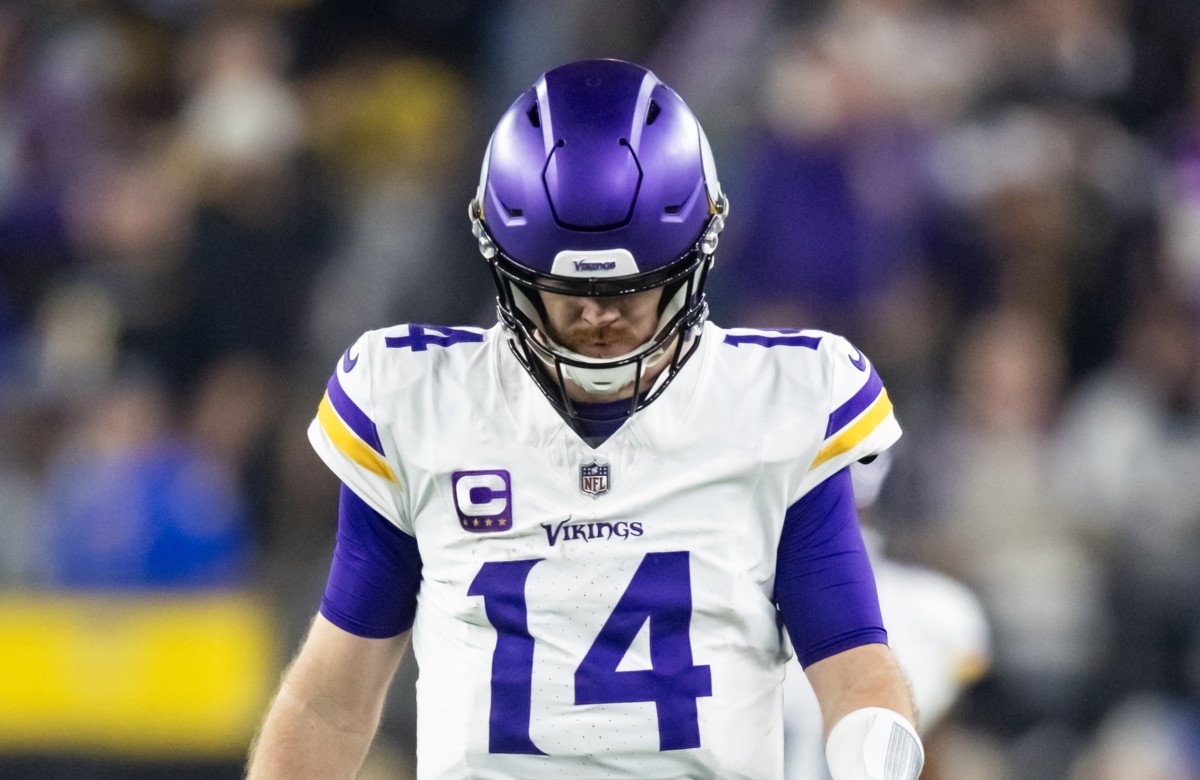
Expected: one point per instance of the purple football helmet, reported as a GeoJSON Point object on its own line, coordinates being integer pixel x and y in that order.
{"type": "Point", "coordinates": [599, 181]}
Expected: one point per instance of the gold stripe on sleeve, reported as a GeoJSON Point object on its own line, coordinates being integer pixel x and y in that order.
{"type": "Point", "coordinates": [852, 436]}
{"type": "Point", "coordinates": [350, 445]}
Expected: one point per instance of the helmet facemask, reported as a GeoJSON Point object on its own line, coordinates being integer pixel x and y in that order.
{"type": "Point", "coordinates": [682, 311]}
{"type": "Point", "coordinates": [599, 182]}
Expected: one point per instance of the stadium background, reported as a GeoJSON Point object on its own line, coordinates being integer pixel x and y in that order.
{"type": "Point", "coordinates": [203, 203]}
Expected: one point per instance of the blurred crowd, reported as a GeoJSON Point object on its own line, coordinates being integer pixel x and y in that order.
{"type": "Point", "coordinates": [202, 203]}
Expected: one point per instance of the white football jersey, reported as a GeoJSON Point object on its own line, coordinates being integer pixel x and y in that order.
{"type": "Point", "coordinates": [597, 613]}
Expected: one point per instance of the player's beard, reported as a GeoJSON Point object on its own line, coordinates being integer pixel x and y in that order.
{"type": "Point", "coordinates": [606, 343]}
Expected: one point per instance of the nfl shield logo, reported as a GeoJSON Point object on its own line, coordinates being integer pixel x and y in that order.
{"type": "Point", "coordinates": [593, 478]}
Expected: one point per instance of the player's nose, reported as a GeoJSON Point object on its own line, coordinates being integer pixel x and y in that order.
{"type": "Point", "coordinates": [600, 311]}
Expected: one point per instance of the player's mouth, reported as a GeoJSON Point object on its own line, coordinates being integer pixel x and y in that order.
{"type": "Point", "coordinates": [606, 348]}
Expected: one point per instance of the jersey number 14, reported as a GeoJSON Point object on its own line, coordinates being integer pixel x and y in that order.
{"type": "Point", "coordinates": [660, 592]}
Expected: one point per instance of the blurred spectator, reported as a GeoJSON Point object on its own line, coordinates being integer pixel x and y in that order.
{"type": "Point", "coordinates": [997, 525]}
{"type": "Point", "coordinates": [261, 228]}
{"type": "Point", "coordinates": [128, 223]}
{"type": "Point", "coordinates": [1059, 204]}
{"type": "Point", "coordinates": [54, 70]}
{"type": "Point", "coordinates": [1130, 454]}
{"type": "Point", "coordinates": [393, 129]}
{"type": "Point", "coordinates": [233, 414]}
{"type": "Point", "coordinates": [130, 502]}
{"type": "Point", "coordinates": [834, 187]}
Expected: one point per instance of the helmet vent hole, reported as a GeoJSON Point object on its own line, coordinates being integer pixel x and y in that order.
{"type": "Point", "coordinates": [652, 112]}
{"type": "Point", "coordinates": [535, 118]}
{"type": "Point", "coordinates": [673, 209]}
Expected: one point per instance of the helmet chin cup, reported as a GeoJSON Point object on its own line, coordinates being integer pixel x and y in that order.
{"type": "Point", "coordinates": [601, 381]}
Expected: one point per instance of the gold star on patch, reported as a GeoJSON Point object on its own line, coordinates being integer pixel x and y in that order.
{"type": "Point", "coordinates": [475, 522]}
{"type": "Point", "coordinates": [503, 522]}
{"type": "Point", "coordinates": [488, 522]}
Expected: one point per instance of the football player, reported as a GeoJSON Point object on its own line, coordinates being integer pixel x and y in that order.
{"type": "Point", "coordinates": [595, 519]}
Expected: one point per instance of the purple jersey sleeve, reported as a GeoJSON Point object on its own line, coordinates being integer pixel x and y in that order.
{"type": "Point", "coordinates": [375, 575]}
{"type": "Point", "coordinates": [824, 586]}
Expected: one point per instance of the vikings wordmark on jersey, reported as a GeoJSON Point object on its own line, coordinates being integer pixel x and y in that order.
{"type": "Point", "coordinates": [624, 627]}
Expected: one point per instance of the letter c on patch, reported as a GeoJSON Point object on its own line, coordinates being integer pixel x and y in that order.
{"type": "Point", "coordinates": [483, 500]}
